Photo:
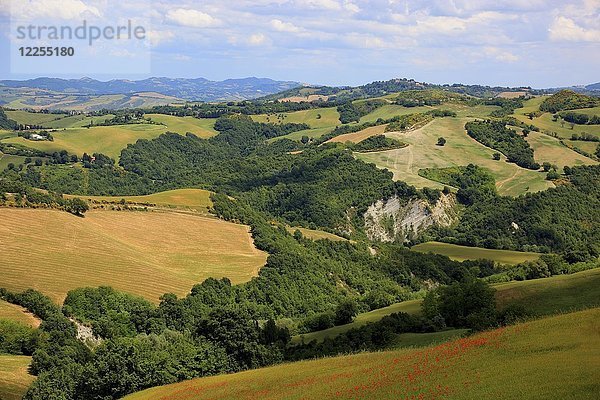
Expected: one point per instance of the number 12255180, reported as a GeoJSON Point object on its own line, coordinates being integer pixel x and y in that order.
{"type": "Point", "coordinates": [46, 51]}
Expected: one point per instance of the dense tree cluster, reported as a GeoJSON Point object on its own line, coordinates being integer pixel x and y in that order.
{"type": "Point", "coordinates": [6, 123]}
{"type": "Point", "coordinates": [354, 111]}
{"type": "Point", "coordinates": [568, 100]}
{"type": "Point", "coordinates": [562, 219]}
{"type": "Point", "coordinates": [24, 195]}
{"type": "Point", "coordinates": [496, 135]}
{"type": "Point", "coordinates": [580, 119]}
{"type": "Point", "coordinates": [377, 143]}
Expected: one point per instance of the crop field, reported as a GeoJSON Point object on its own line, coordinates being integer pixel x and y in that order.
{"type": "Point", "coordinates": [460, 149]}
{"type": "Point", "coordinates": [17, 314]}
{"type": "Point", "coordinates": [552, 358]}
{"type": "Point", "coordinates": [196, 199]}
{"type": "Point", "coordinates": [462, 253]}
{"type": "Point", "coordinates": [203, 128]}
{"type": "Point", "coordinates": [357, 137]}
{"type": "Point", "coordinates": [109, 140]}
{"type": "Point", "coordinates": [316, 234]}
{"type": "Point", "coordinates": [549, 149]}
{"type": "Point", "coordinates": [14, 379]}
{"type": "Point", "coordinates": [316, 118]}
{"type": "Point", "coordinates": [144, 253]}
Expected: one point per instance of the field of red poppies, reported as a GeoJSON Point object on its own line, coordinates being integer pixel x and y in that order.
{"type": "Point", "coordinates": [556, 357]}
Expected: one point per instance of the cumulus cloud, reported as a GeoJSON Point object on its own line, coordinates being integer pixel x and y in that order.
{"type": "Point", "coordinates": [500, 55]}
{"type": "Point", "coordinates": [281, 26]}
{"type": "Point", "coordinates": [52, 9]}
{"type": "Point", "coordinates": [191, 18]}
{"type": "Point", "coordinates": [566, 29]}
{"type": "Point", "coordinates": [157, 37]}
{"type": "Point", "coordinates": [257, 39]}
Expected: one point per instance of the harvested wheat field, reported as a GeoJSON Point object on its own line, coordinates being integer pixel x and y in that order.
{"type": "Point", "coordinates": [18, 314]}
{"type": "Point", "coordinates": [14, 379]}
{"type": "Point", "coordinates": [357, 137]}
{"type": "Point", "coordinates": [144, 253]}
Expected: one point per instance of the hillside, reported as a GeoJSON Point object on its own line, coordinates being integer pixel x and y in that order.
{"type": "Point", "coordinates": [525, 359]}
{"type": "Point", "coordinates": [539, 297]}
{"type": "Point", "coordinates": [199, 89]}
{"type": "Point", "coordinates": [144, 253]}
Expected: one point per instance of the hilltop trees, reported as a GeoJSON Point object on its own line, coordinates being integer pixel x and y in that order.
{"type": "Point", "coordinates": [568, 100]}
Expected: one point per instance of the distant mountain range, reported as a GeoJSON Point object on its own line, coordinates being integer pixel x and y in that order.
{"type": "Point", "coordinates": [198, 89]}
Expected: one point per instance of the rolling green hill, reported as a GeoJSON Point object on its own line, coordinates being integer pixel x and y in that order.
{"type": "Point", "coordinates": [459, 149]}
{"type": "Point", "coordinates": [556, 357]}
{"type": "Point", "coordinates": [461, 253]}
{"type": "Point", "coordinates": [545, 296]}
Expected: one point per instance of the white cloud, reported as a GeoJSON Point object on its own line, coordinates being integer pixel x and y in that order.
{"type": "Point", "coordinates": [157, 37]}
{"type": "Point", "coordinates": [500, 55]}
{"type": "Point", "coordinates": [565, 29]}
{"type": "Point", "coordinates": [182, 57]}
{"type": "Point", "coordinates": [281, 26]}
{"type": "Point", "coordinates": [191, 18]}
{"type": "Point", "coordinates": [257, 39]}
{"type": "Point", "coordinates": [52, 9]}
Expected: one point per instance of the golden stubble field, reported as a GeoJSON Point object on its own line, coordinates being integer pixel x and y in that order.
{"type": "Point", "coordinates": [144, 253]}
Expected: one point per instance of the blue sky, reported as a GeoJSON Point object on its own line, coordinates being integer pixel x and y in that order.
{"type": "Point", "coordinates": [336, 42]}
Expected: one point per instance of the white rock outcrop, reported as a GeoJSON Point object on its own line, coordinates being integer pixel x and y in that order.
{"type": "Point", "coordinates": [397, 220]}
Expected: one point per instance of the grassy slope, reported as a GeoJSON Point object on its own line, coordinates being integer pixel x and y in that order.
{"type": "Point", "coordinates": [329, 117]}
{"type": "Point", "coordinates": [109, 140]}
{"type": "Point", "coordinates": [549, 149]}
{"type": "Point", "coordinates": [145, 253]}
{"type": "Point", "coordinates": [461, 253]}
{"type": "Point", "coordinates": [556, 358]}
{"type": "Point", "coordinates": [196, 199]}
{"type": "Point", "coordinates": [540, 297]}
{"type": "Point", "coordinates": [6, 159]}
{"type": "Point", "coordinates": [546, 124]}
{"type": "Point", "coordinates": [14, 379]}
{"type": "Point", "coordinates": [316, 234]}
{"type": "Point", "coordinates": [17, 314]}
{"type": "Point", "coordinates": [460, 149]}
{"type": "Point", "coordinates": [589, 147]}
{"type": "Point", "coordinates": [29, 118]}
{"type": "Point", "coordinates": [411, 307]}
{"type": "Point", "coordinates": [392, 110]}
{"type": "Point", "coordinates": [555, 294]}
{"type": "Point", "coordinates": [203, 128]}
{"type": "Point", "coordinates": [77, 121]}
